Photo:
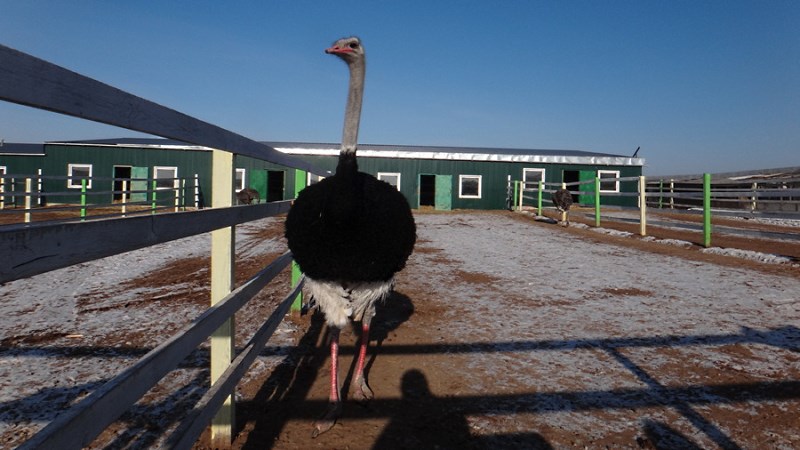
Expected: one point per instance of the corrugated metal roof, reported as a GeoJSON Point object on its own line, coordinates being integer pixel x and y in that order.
{"type": "Point", "coordinates": [18, 149]}
{"type": "Point", "coordinates": [402, 151]}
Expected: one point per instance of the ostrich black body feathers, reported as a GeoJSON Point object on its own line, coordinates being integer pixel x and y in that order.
{"type": "Point", "coordinates": [350, 227]}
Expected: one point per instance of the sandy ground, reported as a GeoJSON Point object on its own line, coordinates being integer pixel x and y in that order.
{"type": "Point", "coordinates": [504, 332]}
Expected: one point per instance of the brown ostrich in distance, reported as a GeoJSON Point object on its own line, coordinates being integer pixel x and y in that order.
{"type": "Point", "coordinates": [562, 199]}
{"type": "Point", "coordinates": [350, 233]}
{"type": "Point", "coordinates": [247, 195]}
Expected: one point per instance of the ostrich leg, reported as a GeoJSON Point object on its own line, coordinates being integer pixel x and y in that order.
{"type": "Point", "coordinates": [328, 419]}
{"type": "Point", "coordinates": [362, 392]}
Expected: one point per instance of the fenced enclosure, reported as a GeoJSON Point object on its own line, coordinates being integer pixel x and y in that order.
{"type": "Point", "coordinates": [35, 248]}
{"type": "Point", "coordinates": [23, 199]}
{"type": "Point", "coordinates": [699, 195]}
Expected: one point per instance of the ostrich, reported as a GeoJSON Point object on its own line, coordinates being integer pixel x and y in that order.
{"type": "Point", "coordinates": [247, 195]}
{"type": "Point", "coordinates": [350, 233]}
{"type": "Point", "coordinates": [563, 200]}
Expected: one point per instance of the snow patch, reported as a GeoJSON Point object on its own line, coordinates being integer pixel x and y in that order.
{"type": "Point", "coordinates": [748, 254]}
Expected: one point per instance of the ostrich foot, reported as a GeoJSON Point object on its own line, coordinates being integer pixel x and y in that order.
{"type": "Point", "coordinates": [361, 392]}
{"type": "Point", "coordinates": [328, 420]}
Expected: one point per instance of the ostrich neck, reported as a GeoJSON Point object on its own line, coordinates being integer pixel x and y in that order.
{"type": "Point", "coordinates": [352, 114]}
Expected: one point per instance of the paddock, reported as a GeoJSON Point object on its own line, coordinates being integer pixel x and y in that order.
{"type": "Point", "coordinates": [505, 332]}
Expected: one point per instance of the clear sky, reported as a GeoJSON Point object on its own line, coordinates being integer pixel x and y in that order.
{"type": "Point", "coordinates": [699, 85]}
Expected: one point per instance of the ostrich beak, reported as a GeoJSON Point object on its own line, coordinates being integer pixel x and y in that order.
{"type": "Point", "coordinates": [338, 50]}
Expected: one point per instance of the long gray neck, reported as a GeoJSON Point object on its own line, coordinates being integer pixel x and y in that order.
{"type": "Point", "coordinates": [352, 114]}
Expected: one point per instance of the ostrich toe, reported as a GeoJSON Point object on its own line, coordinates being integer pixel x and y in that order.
{"type": "Point", "coordinates": [328, 420]}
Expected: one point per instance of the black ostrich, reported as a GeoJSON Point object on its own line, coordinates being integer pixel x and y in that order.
{"type": "Point", "coordinates": [350, 233]}
{"type": "Point", "coordinates": [563, 201]}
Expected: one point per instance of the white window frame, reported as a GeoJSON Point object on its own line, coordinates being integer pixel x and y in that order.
{"type": "Point", "coordinates": [462, 178]}
{"type": "Point", "coordinates": [240, 179]}
{"type": "Point", "coordinates": [156, 178]}
{"type": "Point", "coordinates": [76, 183]}
{"type": "Point", "coordinates": [390, 174]}
{"type": "Point", "coordinates": [526, 183]}
{"type": "Point", "coordinates": [615, 174]}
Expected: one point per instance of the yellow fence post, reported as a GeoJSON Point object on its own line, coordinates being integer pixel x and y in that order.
{"type": "Point", "coordinates": [222, 279]}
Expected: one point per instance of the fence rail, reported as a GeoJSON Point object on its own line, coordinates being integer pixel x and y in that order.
{"type": "Point", "coordinates": [31, 249]}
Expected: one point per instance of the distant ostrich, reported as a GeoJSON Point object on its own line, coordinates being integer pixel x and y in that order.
{"type": "Point", "coordinates": [563, 201]}
{"type": "Point", "coordinates": [350, 233]}
{"type": "Point", "coordinates": [247, 195]}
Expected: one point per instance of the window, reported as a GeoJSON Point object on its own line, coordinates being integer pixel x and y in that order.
{"type": "Point", "coordinates": [166, 177]}
{"type": "Point", "coordinates": [78, 172]}
{"type": "Point", "coordinates": [608, 181]}
{"type": "Point", "coordinates": [469, 186]}
{"type": "Point", "coordinates": [391, 178]}
{"type": "Point", "coordinates": [531, 178]}
{"type": "Point", "coordinates": [240, 178]}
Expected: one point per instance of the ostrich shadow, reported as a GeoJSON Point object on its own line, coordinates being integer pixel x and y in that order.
{"type": "Point", "coordinates": [389, 315]}
{"type": "Point", "coordinates": [287, 388]}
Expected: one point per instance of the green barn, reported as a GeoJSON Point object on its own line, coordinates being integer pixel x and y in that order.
{"type": "Point", "coordinates": [437, 177]}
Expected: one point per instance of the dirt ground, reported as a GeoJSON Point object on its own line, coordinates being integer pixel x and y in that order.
{"type": "Point", "coordinates": [420, 369]}
{"type": "Point", "coordinates": [487, 343]}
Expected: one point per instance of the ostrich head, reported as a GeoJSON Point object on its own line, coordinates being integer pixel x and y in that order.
{"type": "Point", "coordinates": [349, 49]}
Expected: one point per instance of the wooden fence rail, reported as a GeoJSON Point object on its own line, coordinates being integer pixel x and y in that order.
{"type": "Point", "coordinates": [29, 250]}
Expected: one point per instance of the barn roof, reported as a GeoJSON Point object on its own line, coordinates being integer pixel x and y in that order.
{"type": "Point", "coordinates": [402, 151]}
{"type": "Point", "coordinates": [17, 149]}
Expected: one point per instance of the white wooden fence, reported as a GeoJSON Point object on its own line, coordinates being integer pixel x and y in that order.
{"type": "Point", "coordinates": [37, 248]}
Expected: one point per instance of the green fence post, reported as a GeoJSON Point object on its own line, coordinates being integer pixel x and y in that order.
{"type": "Point", "coordinates": [597, 202]}
{"type": "Point", "coordinates": [539, 199]}
{"type": "Point", "coordinates": [299, 185]}
{"type": "Point", "coordinates": [155, 183]}
{"type": "Point", "coordinates": [517, 195]}
{"type": "Point", "coordinates": [83, 199]}
{"type": "Point", "coordinates": [706, 210]}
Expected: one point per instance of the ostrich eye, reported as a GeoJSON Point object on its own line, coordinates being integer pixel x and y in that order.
{"type": "Point", "coordinates": [353, 45]}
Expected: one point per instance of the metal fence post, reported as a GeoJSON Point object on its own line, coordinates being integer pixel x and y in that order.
{"type": "Point", "coordinates": [28, 188]}
{"type": "Point", "coordinates": [597, 202]}
{"type": "Point", "coordinates": [539, 198]}
{"type": "Point", "coordinates": [83, 199]}
{"type": "Point", "coordinates": [299, 185]}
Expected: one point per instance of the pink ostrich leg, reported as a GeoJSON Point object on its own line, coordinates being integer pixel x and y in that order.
{"type": "Point", "coordinates": [328, 419]}
{"type": "Point", "coordinates": [362, 392]}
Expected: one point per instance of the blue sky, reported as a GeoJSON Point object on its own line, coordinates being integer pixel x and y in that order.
{"type": "Point", "coordinates": [699, 85]}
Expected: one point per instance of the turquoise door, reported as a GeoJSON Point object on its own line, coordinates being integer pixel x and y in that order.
{"type": "Point", "coordinates": [139, 183]}
{"type": "Point", "coordinates": [444, 192]}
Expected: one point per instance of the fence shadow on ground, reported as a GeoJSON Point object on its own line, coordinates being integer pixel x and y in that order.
{"type": "Point", "coordinates": [422, 420]}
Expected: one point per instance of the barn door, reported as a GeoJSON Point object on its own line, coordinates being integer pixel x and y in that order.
{"type": "Point", "coordinates": [444, 192]}
{"type": "Point", "coordinates": [587, 199]}
{"type": "Point", "coordinates": [139, 177]}
{"type": "Point", "coordinates": [258, 181]}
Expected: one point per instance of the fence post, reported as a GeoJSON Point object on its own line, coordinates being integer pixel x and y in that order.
{"type": "Point", "coordinates": [83, 199]}
{"type": "Point", "coordinates": [706, 210]}
{"type": "Point", "coordinates": [153, 201]}
{"type": "Point", "coordinates": [642, 206]}
{"type": "Point", "coordinates": [28, 188]}
{"type": "Point", "coordinates": [539, 198]}
{"type": "Point", "coordinates": [564, 213]}
{"type": "Point", "coordinates": [597, 202]}
{"type": "Point", "coordinates": [518, 194]}
{"type": "Point", "coordinates": [196, 191]}
{"type": "Point", "coordinates": [222, 279]}
{"type": "Point", "coordinates": [124, 197]}
{"type": "Point", "coordinates": [39, 188]}
{"type": "Point", "coordinates": [3, 192]}
{"type": "Point", "coordinates": [671, 192]}
{"type": "Point", "coordinates": [660, 194]}
{"type": "Point", "coordinates": [176, 185]}
{"type": "Point", "coordinates": [753, 205]}
{"type": "Point", "coordinates": [299, 185]}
